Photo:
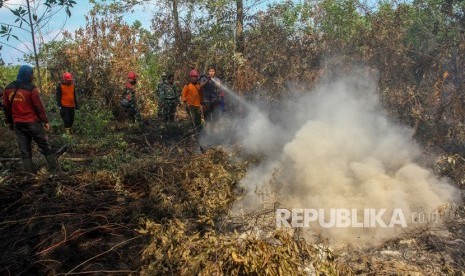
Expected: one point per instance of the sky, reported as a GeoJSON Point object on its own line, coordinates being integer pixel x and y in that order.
{"type": "Point", "coordinates": [77, 20]}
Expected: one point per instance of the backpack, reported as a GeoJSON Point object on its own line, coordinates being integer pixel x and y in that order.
{"type": "Point", "coordinates": [167, 92]}
{"type": "Point", "coordinates": [9, 112]}
{"type": "Point", "coordinates": [124, 102]}
{"type": "Point", "coordinates": [1, 99]}
{"type": "Point", "coordinates": [126, 98]}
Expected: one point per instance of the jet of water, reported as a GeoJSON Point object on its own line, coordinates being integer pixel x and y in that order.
{"type": "Point", "coordinates": [234, 95]}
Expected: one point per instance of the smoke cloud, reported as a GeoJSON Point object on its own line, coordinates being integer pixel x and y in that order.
{"type": "Point", "coordinates": [337, 148]}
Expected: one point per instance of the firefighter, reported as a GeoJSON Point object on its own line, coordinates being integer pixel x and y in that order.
{"type": "Point", "coordinates": [67, 101]}
{"type": "Point", "coordinates": [158, 94]}
{"type": "Point", "coordinates": [168, 98]}
{"type": "Point", "coordinates": [129, 98]}
{"type": "Point", "coordinates": [25, 113]}
{"type": "Point", "coordinates": [191, 96]}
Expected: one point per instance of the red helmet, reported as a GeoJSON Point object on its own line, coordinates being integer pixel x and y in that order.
{"type": "Point", "coordinates": [132, 75]}
{"type": "Point", "coordinates": [67, 76]}
{"type": "Point", "coordinates": [193, 73]}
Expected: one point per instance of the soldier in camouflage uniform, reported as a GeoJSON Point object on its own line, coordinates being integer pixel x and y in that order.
{"type": "Point", "coordinates": [169, 98]}
{"type": "Point", "coordinates": [129, 98]}
{"type": "Point", "coordinates": [158, 92]}
{"type": "Point", "coordinates": [177, 88]}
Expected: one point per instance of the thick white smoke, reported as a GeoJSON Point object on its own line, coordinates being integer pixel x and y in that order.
{"type": "Point", "coordinates": [336, 148]}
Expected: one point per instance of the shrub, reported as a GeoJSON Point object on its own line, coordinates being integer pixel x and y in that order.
{"type": "Point", "coordinates": [92, 119]}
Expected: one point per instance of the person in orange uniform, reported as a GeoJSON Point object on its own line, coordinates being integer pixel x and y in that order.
{"type": "Point", "coordinates": [191, 96]}
{"type": "Point", "coordinates": [66, 100]}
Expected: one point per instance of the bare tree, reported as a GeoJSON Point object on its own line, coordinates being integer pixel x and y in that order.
{"type": "Point", "coordinates": [35, 15]}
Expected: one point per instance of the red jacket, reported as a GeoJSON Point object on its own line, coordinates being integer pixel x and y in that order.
{"type": "Point", "coordinates": [27, 106]}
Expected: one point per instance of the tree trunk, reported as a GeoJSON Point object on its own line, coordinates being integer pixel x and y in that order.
{"type": "Point", "coordinates": [240, 27]}
{"type": "Point", "coordinates": [36, 57]}
{"type": "Point", "coordinates": [177, 27]}
{"type": "Point", "coordinates": [239, 48]}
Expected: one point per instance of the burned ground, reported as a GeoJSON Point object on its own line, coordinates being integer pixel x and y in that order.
{"type": "Point", "coordinates": [142, 201]}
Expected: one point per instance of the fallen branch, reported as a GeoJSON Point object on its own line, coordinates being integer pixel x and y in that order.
{"type": "Point", "coordinates": [98, 272]}
{"type": "Point", "coordinates": [62, 150]}
{"type": "Point", "coordinates": [147, 142]}
{"type": "Point", "coordinates": [9, 159]}
{"type": "Point", "coordinates": [77, 159]}
{"type": "Point", "coordinates": [76, 234]}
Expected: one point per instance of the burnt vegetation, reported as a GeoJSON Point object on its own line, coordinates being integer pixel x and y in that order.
{"type": "Point", "coordinates": [133, 199]}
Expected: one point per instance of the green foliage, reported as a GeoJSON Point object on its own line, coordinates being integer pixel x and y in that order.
{"type": "Point", "coordinates": [341, 20]}
{"type": "Point", "coordinates": [112, 162]}
{"type": "Point", "coordinates": [151, 70]}
{"type": "Point", "coordinates": [7, 74]}
{"type": "Point", "coordinates": [92, 119]}
{"type": "Point", "coordinates": [67, 165]}
{"type": "Point", "coordinates": [435, 24]}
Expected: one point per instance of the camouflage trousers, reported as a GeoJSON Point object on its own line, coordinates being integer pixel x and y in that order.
{"type": "Point", "coordinates": [168, 111]}
{"type": "Point", "coordinates": [159, 109]}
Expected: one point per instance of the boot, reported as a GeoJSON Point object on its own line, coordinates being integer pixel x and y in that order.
{"type": "Point", "coordinates": [28, 166]}
{"type": "Point", "coordinates": [51, 162]}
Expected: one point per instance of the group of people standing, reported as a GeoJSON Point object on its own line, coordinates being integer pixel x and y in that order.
{"type": "Point", "coordinates": [202, 95]}
{"type": "Point", "coordinates": [25, 111]}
